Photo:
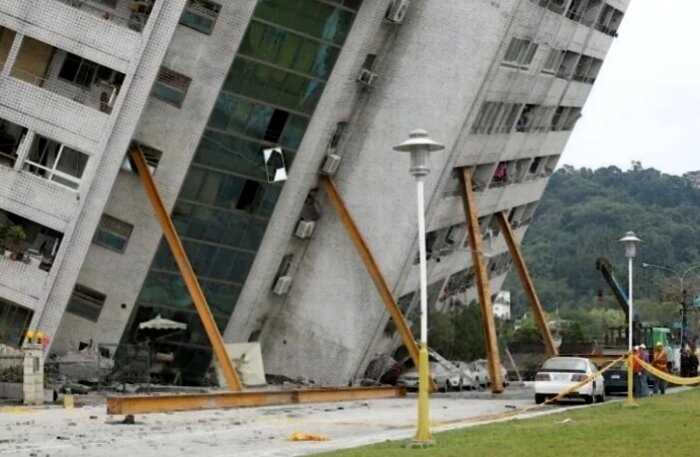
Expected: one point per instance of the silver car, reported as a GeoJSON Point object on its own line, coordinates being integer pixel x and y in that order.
{"type": "Point", "coordinates": [445, 377]}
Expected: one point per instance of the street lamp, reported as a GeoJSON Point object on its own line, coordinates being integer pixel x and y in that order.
{"type": "Point", "coordinates": [630, 241]}
{"type": "Point", "coordinates": [683, 300]}
{"type": "Point", "coordinates": [419, 145]}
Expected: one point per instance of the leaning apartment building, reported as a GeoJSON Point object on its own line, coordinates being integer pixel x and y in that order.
{"type": "Point", "coordinates": [204, 87]}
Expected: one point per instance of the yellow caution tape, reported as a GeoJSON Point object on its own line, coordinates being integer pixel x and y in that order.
{"type": "Point", "coordinates": [667, 376]}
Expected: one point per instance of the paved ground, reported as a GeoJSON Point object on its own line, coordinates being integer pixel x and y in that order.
{"type": "Point", "coordinates": [261, 432]}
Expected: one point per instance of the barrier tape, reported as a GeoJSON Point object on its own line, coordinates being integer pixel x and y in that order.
{"type": "Point", "coordinates": [667, 376]}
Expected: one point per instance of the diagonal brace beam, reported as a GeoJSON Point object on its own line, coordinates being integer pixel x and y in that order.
{"type": "Point", "coordinates": [482, 279]}
{"type": "Point", "coordinates": [183, 264]}
{"type": "Point", "coordinates": [528, 285]}
{"type": "Point", "coordinates": [372, 267]}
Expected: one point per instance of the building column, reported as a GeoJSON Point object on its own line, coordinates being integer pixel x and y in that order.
{"type": "Point", "coordinates": [23, 149]}
{"type": "Point", "coordinates": [12, 55]}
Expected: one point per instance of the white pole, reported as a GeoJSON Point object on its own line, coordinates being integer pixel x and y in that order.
{"type": "Point", "coordinates": [423, 264]}
{"type": "Point", "coordinates": [631, 303]}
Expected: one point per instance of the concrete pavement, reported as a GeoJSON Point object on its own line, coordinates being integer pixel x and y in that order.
{"type": "Point", "coordinates": [259, 432]}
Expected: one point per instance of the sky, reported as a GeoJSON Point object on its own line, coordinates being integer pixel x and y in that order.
{"type": "Point", "coordinates": [645, 104]}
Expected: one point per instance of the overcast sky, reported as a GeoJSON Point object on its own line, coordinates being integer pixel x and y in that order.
{"type": "Point", "coordinates": [645, 104]}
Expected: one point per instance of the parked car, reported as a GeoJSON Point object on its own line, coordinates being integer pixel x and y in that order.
{"type": "Point", "coordinates": [560, 373]}
{"type": "Point", "coordinates": [469, 380]}
{"type": "Point", "coordinates": [445, 374]}
{"type": "Point", "coordinates": [483, 379]}
{"type": "Point", "coordinates": [446, 378]}
{"type": "Point", "coordinates": [616, 379]}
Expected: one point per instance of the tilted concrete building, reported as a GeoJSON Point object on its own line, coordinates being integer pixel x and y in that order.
{"type": "Point", "coordinates": [204, 86]}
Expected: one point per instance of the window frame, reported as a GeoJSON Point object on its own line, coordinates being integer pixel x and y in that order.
{"type": "Point", "coordinates": [103, 228]}
{"type": "Point", "coordinates": [53, 170]}
{"type": "Point", "coordinates": [91, 302]}
{"type": "Point", "coordinates": [194, 10]}
{"type": "Point", "coordinates": [82, 63]}
{"type": "Point", "coordinates": [163, 83]}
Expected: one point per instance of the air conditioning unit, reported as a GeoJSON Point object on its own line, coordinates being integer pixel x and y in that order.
{"type": "Point", "coordinates": [304, 229]}
{"type": "Point", "coordinates": [367, 77]}
{"type": "Point", "coordinates": [282, 285]}
{"type": "Point", "coordinates": [397, 11]}
{"type": "Point", "coordinates": [330, 164]}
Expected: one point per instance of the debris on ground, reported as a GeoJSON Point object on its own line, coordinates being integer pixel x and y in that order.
{"type": "Point", "coordinates": [300, 436]}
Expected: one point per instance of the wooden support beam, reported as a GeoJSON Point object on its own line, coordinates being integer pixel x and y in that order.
{"type": "Point", "coordinates": [183, 264]}
{"type": "Point", "coordinates": [483, 285]}
{"type": "Point", "coordinates": [528, 285]}
{"type": "Point", "coordinates": [144, 404]}
{"type": "Point", "coordinates": [372, 267]}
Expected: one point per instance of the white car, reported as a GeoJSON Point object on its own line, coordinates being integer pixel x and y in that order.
{"type": "Point", "coordinates": [561, 373]}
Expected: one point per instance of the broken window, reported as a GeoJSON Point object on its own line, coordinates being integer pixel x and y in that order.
{"type": "Point", "coordinates": [56, 162]}
{"type": "Point", "coordinates": [113, 233]}
{"type": "Point", "coordinates": [250, 196]}
{"type": "Point", "coordinates": [171, 87]}
{"type": "Point", "coordinates": [535, 165]}
{"type": "Point", "coordinates": [277, 122]}
{"type": "Point", "coordinates": [200, 15]}
{"type": "Point", "coordinates": [86, 303]}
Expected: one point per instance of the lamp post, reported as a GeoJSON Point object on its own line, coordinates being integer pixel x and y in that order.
{"type": "Point", "coordinates": [630, 241]}
{"type": "Point", "coordinates": [419, 145]}
{"type": "Point", "coordinates": [681, 276]}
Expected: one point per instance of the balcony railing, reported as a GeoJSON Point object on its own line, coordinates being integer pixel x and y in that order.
{"type": "Point", "coordinates": [24, 276]}
{"type": "Point", "coordinates": [127, 13]}
{"type": "Point", "coordinates": [97, 95]}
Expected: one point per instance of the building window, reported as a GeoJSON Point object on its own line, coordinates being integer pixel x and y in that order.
{"type": "Point", "coordinates": [520, 53]}
{"type": "Point", "coordinates": [86, 303]}
{"type": "Point", "coordinates": [56, 162]}
{"type": "Point", "coordinates": [565, 118]}
{"type": "Point", "coordinates": [171, 87]}
{"type": "Point", "coordinates": [200, 15]}
{"type": "Point", "coordinates": [78, 71]}
{"type": "Point", "coordinates": [11, 136]}
{"type": "Point", "coordinates": [113, 233]}
{"type": "Point", "coordinates": [14, 322]}
{"type": "Point", "coordinates": [554, 58]}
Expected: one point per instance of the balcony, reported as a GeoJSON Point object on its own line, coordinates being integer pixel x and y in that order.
{"type": "Point", "coordinates": [68, 75]}
{"type": "Point", "coordinates": [133, 14]}
{"type": "Point", "coordinates": [27, 254]}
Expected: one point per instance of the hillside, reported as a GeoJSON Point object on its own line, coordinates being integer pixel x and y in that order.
{"type": "Point", "coordinates": [581, 217]}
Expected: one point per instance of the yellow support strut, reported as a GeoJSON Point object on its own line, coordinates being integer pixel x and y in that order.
{"type": "Point", "coordinates": [183, 264]}
{"type": "Point", "coordinates": [528, 285]}
{"type": "Point", "coordinates": [482, 280]}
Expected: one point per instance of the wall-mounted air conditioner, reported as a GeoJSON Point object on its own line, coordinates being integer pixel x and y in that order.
{"type": "Point", "coordinates": [397, 11]}
{"type": "Point", "coordinates": [282, 285]}
{"type": "Point", "coordinates": [367, 77]}
{"type": "Point", "coordinates": [304, 229]}
{"type": "Point", "coordinates": [330, 164]}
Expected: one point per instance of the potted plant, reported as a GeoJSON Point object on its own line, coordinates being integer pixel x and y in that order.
{"type": "Point", "coordinates": [14, 238]}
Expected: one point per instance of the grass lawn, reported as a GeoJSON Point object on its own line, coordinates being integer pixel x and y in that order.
{"type": "Point", "coordinates": [663, 426]}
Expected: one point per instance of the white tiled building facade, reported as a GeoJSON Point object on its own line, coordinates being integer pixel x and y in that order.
{"type": "Point", "coordinates": [204, 86]}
